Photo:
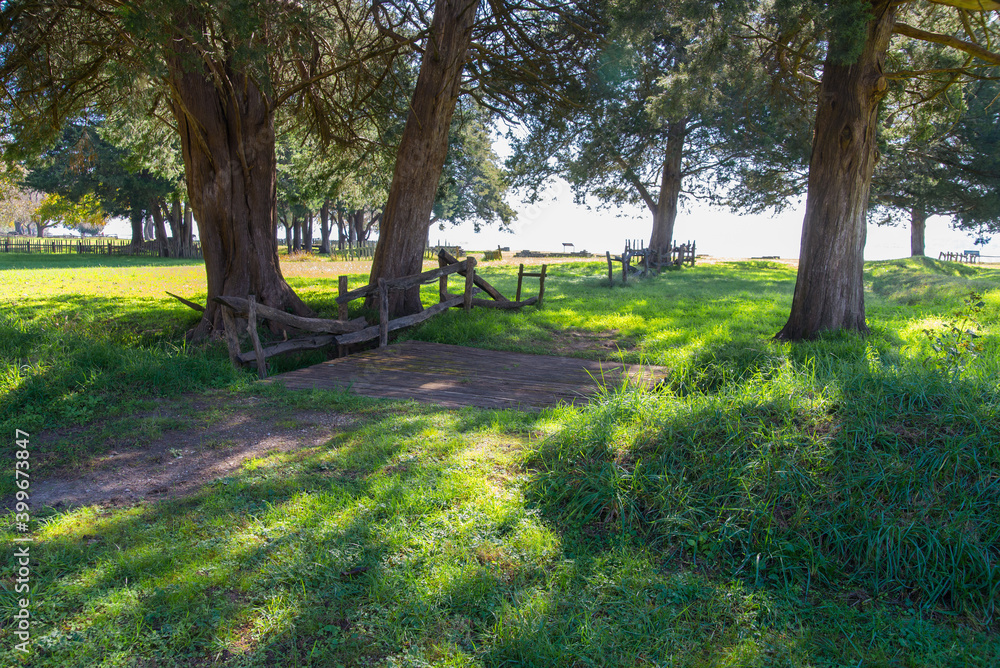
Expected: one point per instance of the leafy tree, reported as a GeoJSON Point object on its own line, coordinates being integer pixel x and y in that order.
{"type": "Point", "coordinates": [495, 50]}
{"type": "Point", "coordinates": [950, 167]}
{"type": "Point", "coordinates": [83, 163]}
{"type": "Point", "coordinates": [473, 184]}
{"type": "Point", "coordinates": [218, 72]}
{"type": "Point", "coordinates": [850, 42]}
{"type": "Point", "coordinates": [85, 216]}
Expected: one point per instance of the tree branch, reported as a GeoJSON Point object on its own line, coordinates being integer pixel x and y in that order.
{"type": "Point", "coordinates": [947, 40]}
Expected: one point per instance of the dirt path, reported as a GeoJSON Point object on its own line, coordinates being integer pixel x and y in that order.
{"type": "Point", "coordinates": [183, 460]}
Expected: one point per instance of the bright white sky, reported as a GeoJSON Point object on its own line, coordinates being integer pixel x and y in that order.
{"type": "Point", "coordinates": [547, 225]}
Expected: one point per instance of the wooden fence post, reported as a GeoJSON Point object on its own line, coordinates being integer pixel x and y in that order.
{"type": "Point", "coordinates": [383, 313]}
{"type": "Point", "coordinates": [541, 285]}
{"type": "Point", "coordinates": [442, 288]}
{"type": "Point", "coordinates": [625, 259]}
{"type": "Point", "coordinates": [470, 277]}
{"type": "Point", "coordinates": [520, 277]}
{"type": "Point", "coordinates": [611, 275]}
{"type": "Point", "coordinates": [232, 339]}
{"type": "Point", "coordinates": [342, 290]}
{"type": "Point", "coordinates": [252, 331]}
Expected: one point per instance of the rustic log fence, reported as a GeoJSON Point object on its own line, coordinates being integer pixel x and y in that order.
{"type": "Point", "coordinates": [344, 332]}
{"type": "Point", "coordinates": [648, 261]}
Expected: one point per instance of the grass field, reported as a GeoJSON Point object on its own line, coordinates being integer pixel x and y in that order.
{"type": "Point", "coordinates": [832, 503]}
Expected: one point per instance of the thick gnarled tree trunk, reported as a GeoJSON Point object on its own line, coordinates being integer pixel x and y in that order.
{"type": "Point", "coordinates": [918, 224]}
{"type": "Point", "coordinates": [227, 139]}
{"type": "Point", "coordinates": [423, 149]}
{"type": "Point", "coordinates": [665, 211]}
{"type": "Point", "coordinates": [829, 288]}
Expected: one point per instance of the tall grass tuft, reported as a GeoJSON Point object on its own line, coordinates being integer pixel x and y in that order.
{"type": "Point", "coordinates": [857, 474]}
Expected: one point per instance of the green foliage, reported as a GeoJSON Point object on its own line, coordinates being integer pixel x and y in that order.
{"type": "Point", "coordinates": [83, 163]}
{"type": "Point", "coordinates": [956, 346]}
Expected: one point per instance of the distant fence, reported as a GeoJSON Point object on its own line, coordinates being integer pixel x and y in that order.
{"type": "Point", "coordinates": [365, 250]}
{"type": "Point", "coordinates": [92, 246]}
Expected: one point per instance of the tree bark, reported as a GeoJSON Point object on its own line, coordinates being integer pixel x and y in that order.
{"type": "Point", "coordinates": [159, 228]}
{"type": "Point", "coordinates": [296, 233]}
{"type": "Point", "coordinates": [665, 213]}
{"type": "Point", "coordinates": [918, 224]}
{"type": "Point", "coordinates": [829, 288]}
{"type": "Point", "coordinates": [138, 221]}
{"type": "Point", "coordinates": [307, 232]}
{"type": "Point", "coordinates": [227, 140]}
{"type": "Point", "coordinates": [422, 151]}
{"type": "Point", "coordinates": [187, 232]}
{"type": "Point", "coordinates": [324, 228]}
{"type": "Point", "coordinates": [341, 230]}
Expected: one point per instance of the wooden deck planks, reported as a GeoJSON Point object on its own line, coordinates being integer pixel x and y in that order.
{"type": "Point", "coordinates": [455, 376]}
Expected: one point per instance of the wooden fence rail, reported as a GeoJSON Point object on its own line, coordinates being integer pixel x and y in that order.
{"type": "Point", "coordinates": [343, 332]}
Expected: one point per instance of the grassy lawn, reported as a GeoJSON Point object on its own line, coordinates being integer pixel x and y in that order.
{"type": "Point", "coordinates": [833, 503]}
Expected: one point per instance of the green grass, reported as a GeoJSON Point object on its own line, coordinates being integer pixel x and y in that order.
{"type": "Point", "coordinates": [833, 503]}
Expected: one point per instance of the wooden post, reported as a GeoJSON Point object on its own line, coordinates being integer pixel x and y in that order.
{"type": "Point", "coordinates": [232, 339]}
{"type": "Point", "coordinates": [342, 290]}
{"type": "Point", "coordinates": [520, 277]}
{"type": "Point", "coordinates": [611, 276]}
{"type": "Point", "coordinates": [442, 288]}
{"type": "Point", "coordinates": [252, 331]}
{"type": "Point", "coordinates": [625, 259]}
{"type": "Point", "coordinates": [693, 243]}
{"type": "Point", "coordinates": [470, 277]}
{"type": "Point", "coordinates": [383, 313]}
{"type": "Point", "coordinates": [541, 285]}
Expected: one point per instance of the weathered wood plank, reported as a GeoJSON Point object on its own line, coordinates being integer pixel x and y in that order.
{"type": "Point", "coordinates": [254, 339]}
{"type": "Point", "coordinates": [305, 343]}
{"type": "Point", "coordinates": [242, 307]}
{"type": "Point", "coordinates": [369, 333]}
{"type": "Point", "coordinates": [445, 257]}
{"type": "Point", "coordinates": [489, 303]}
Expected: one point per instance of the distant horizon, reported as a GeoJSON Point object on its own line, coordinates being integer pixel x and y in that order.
{"type": "Point", "coordinates": [557, 219]}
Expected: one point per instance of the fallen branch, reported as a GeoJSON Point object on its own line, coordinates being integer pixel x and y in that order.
{"type": "Point", "coordinates": [196, 307]}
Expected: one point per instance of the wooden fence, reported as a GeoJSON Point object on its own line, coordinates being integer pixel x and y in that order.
{"type": "Point", "coordinates": [94, 246]}
{"type": "Point", "coordinates": [344, 332]}
{"type": "Point", "coordinates": [647, 261]}
{"type": "Point", "coordinates": [362, 251]}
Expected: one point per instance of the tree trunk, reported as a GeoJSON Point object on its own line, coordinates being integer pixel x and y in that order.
{"type": "Point", "coordinates": [187, 233]}
{"type": "Point", "coordinates": [158, 228]}
{"type": "Point", "coordinates": [137, 219]}
{"type": "Point", "coordinates": [176, 222]}
{"type": "Point", "coordinates": [829, 288]}
{"type": "Point", "coordinates": [665, 214]}
{"type": "Point", "coordinates": [324, 228]}
{"type": "Point", "coordinates": [918, 223]}
{"type": "Point", "coordinates": [422, 150]}
{"type": "Point", "coordinates": [341, 230]}
{"type": "Point", "coordinates": [296, 233]}
{"type": "Point", "coordinates": [359, 226]}
{"type": "Point", "coordinates": [307, 232]}
{"type": "Point", "coordinates": [227, 139]}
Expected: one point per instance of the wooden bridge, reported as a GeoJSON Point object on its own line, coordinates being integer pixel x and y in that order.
{"type": "Point", "coordinates": [456, 376]}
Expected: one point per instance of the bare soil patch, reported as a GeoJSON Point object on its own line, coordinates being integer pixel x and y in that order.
{"type": "Point", "coordinates": [182, 460]}
{"type": "Point", "coordinates": [606, 343]}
